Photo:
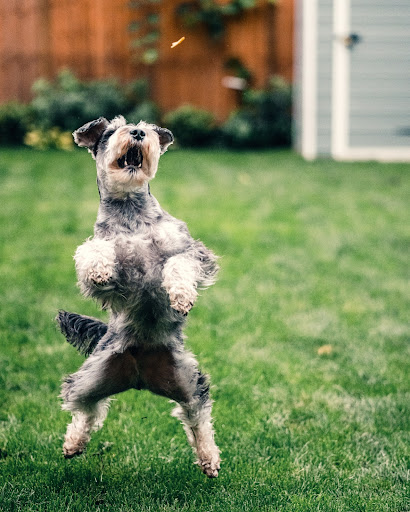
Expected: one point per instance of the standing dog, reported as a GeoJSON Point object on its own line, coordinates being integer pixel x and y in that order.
{"type": "Point", "coordinates": [143, 265]}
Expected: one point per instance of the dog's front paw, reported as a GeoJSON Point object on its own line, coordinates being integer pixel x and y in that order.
{"type": "Point", "coordinates": [182, 302]}
{"type": "Point", "coordinates": [182, 307]}
{"type": "Point", "coordinates": [100, 274]}
{"type": "Point", "coordinates": [95, 262]}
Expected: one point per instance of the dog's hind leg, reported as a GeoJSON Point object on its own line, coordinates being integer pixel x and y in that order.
{"type": "Point", "coordinates": [196, 419]}
{"type": "Point", "coordinates": [86, 420]}
{"type": "Point", "coordinates": [86, 394]}
{"type": "Point", "coordinates": [175, 374]}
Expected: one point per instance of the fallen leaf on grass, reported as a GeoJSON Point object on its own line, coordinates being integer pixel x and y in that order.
{"type": "Point", "coordinates": [325, 350]}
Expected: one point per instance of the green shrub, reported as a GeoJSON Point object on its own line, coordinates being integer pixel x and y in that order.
{"type": "Point", "coordinates": [53, 138]}
{"type": "Point", "coordinates": [264, 120]}
{"type": "Point", "coordinates": [60, 106]}
{"type": "Point", "coordinates": [191, 126]}
{"type": "Point", "coordinates": [137, 91]}
{"type": "Point", "coordinates": [145, 111]}
{"type": "Point", "coordinates": [68, 103]}
{"type": "Point", "coordinates": [14, 122]}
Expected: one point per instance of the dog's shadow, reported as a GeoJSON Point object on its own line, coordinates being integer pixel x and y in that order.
{"type": "Point", "coordinates": [103, 484]}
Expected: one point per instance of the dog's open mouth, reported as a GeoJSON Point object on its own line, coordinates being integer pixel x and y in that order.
{"type": "Point", "coordinates": [132, 158]}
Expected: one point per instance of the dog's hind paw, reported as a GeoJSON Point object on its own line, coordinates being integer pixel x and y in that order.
{"type": "Point", "coordinates": [210, 468]}
{"type": "Point", "coordinates": [75, 442]}
{"type": "Point", "coordinates": [71, 451]}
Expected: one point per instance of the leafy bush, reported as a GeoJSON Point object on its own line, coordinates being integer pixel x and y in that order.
{"type": "Point", "coordinates": [68, 103]}
{"type": "Point", "coordinates": [53, 138]}
{"type": "Point", "coordinates": [61, 106]}
{"type": "Point", "coordinates": [191, 126]}
{"type": "Point", "coordinates": [137, 91]}
{"type": "Point", "coordinates": [14, 121]}
{"type": "Point", "coordinates": [144, 109]}
{"type": "Point", "coordinates": [264, 120]}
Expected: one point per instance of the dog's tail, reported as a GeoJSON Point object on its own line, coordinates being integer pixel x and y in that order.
{"type": "Point", "coordinates": [83, 332]}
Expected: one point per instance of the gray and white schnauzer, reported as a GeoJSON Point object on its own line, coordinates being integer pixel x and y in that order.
{"type": "Point", "coordinates": [145, 268]}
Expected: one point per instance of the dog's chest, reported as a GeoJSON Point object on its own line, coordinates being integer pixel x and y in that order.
{"type": "Point", "coordinates": [170, 237]}
{"type": "Point", "coordinates": [151, 243]}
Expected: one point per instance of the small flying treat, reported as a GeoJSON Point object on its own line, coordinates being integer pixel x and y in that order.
{"type": "Point", "coordinates": [176, 43]}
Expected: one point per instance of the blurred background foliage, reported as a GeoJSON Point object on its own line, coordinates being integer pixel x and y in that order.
{"type": "Point", "coordinates": [61, 106]}
{"type": "Point", "coordinates": [212, 14]}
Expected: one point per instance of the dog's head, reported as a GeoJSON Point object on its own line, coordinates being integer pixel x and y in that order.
{"type": "Point", "coordinates": [127, 155]}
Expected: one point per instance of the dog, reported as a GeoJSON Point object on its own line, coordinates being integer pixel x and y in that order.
{"type": "Point", "coordinates": [143, 266]}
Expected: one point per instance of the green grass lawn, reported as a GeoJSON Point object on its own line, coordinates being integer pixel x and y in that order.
{"type": "Point", "coordinates": [312, 254]}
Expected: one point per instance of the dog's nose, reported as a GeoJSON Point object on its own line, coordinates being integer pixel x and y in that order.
{"type": "Point", "coordinates": [138, 134]}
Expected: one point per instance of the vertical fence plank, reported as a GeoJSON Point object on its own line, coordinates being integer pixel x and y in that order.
{"type": "Point", "coordinates": [92, 38]}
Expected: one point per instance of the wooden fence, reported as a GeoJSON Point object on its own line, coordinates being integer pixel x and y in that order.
{"type": "Point", "coordinates": [91, 37]}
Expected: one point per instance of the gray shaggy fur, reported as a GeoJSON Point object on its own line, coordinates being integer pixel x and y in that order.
{"type": "Point", "coordinates": [144, 267]}
{"type": "Point", "coordinates": [83, 332]}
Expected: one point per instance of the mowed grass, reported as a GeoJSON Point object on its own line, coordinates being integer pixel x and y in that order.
{"type": "Point", "coordinates": [312, 254]}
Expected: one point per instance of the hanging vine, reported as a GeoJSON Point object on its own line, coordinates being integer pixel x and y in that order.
{"type": "Point", "coordinates": [213, 14]}
{"type": "Point", "coordinates": [146, 30]}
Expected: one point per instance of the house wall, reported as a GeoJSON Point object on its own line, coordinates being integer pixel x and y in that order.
{"type": "Point", "coordinates": [379, 112]}
{"type": "Point", "coordinates": [352, 101]}
{"type": "Point", "coordinates": [313, 77]}
{"type": "Point", "coordinates": [40, 37]}
{"type": "Point", "coordinates": [324, 75]}
{"type": "Point", "coordinates": [297, 77]}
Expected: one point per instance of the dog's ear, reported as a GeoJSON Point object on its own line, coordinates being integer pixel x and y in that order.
{"type": "Point", "coordinates": [88, 135]}
{"type": "Point", "coordinates": [165, 138]}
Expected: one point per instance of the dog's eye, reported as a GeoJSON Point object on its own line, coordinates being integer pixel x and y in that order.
{"type": "Point", "coordinates": [104, 139]}
{"type": "Point", "coordinates": [101, 143]}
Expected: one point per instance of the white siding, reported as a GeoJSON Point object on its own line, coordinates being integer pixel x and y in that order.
{"type": "Point", "coordinates": [325, 39]}
{"type": "Point", "coordinates": [380, 74]}
{"type": "Point", "coordinates": [376, 102]}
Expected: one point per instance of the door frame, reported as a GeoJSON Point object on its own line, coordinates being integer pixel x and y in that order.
{"type": "Point", "coordinates": [340, 148]}
{"type": "Point", "coordinates": [309, 58]}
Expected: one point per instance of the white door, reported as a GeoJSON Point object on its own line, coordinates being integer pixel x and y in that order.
{"type": "Point", "coordinates": [371, 80]}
